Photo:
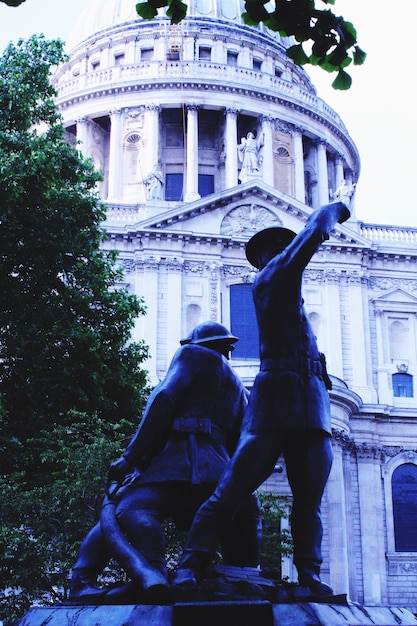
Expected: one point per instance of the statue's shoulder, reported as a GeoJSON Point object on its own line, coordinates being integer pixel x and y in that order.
{"type": "Point", "coordinates": [197, 354]}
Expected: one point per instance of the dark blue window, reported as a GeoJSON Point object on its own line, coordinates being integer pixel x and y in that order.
{"type": "Point", "coordinates": [205, 184]}
{"type": "Point", "coordinates": [243, 322]}
{"type": "Point", "coordinates": [404, 504]}
{"type": "Point", "coordinates": [173, 187]}
{"type": "Point", "coordinates": [402, 385]}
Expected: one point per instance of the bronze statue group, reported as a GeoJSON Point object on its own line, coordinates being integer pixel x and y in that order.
{"type": "Point", "coordinates": [204, 445]}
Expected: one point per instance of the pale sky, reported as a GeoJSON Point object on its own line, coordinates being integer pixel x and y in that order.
{"type": "Point", "coordinates": [379, 110]}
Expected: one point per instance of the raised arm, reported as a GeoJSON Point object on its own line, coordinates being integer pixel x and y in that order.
{"type": "Point", "coordinates": [317, 229]}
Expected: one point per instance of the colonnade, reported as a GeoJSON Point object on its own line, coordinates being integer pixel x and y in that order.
{"type": "Point", "coordinates": [150, 132]}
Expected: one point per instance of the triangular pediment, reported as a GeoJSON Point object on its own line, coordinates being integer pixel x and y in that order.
{"type": "Point", "coordinates": [395, 297]}
{"type": "Point", "coordinates": [241, 211]}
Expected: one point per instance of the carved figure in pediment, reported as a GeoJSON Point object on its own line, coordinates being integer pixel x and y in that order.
{"type": "Point", "coordinates": [245, 220]}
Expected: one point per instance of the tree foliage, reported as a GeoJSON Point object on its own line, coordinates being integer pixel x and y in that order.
{"type": "Point", "coordinates": [332, 40]}
{"type": "Point", "coordinates": [71, 382]}
{"type": "Point", "coordinates": [322, 37]}
{"type": "Point", "coordinates": [276, 541]}
{"type": "Point", "coordinates": [13, 3]}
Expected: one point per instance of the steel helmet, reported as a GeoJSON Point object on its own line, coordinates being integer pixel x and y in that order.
{"type": "Point", "coordinates": [274, 239]}
{"type": "Point", "coordinates": [209, 331]}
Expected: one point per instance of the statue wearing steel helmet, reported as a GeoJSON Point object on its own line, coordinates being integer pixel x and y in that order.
{"type": "Point", "coordinates": [188, 432]}
{"type": "Point", "coordinates": [288, 410]}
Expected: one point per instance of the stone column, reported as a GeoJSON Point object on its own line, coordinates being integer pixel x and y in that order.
{"type": "Point", "coordinates": [191, 189]}
{"type": "Point", "coordinates": [372, 526]}
{"type": "Point", "coordinates": [146, 285]}
{"type": "Point", "coordinates": [115, 155]}
{"type": "Point", "coordinates": [297, 137]}
{"type": "Point", "coordinates": [267, 152]}
{"type": "Point", "coordinates": [350, 526]}
{"type": "Point", "coordinates": [322, 175]}
{"type": "Point", "coordinates": [384, 392]}
{"type": "Point", "coordinates": [152, 138]}
{"type": "Point", "coordinates": [336, 501]}
{"type": "Point", "coordinates": [359, 337]}
{"type": "Point", "coordinates": [339, 172]}
{"type": "Point", "coordinates": [174, 267]}
{"type": "Point", "coordinates": [82, 134]}
{"type": "Point", "coordinates": [334, 324]}
{"type": "Point", "coordinates": [231, 169]}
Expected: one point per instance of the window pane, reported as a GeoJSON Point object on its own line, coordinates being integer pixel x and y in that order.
{"type": "Point", "coordinates": [402, 385]}
{"type": "Point", "coordinates": [205, 184]}
{"type": "Point", "coordinates": [243, 322]}
{"type": "Point", "coordinates": [404, 503]}
{"type": "Point", "coordinates": [204, 54]}
{"type": "Point", "coordinates": [173, 187]}
{"type": "Point", "coordinates": [146, 54]}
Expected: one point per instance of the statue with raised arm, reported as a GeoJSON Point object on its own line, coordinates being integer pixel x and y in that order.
{"type": "Point", "coordinates": [189, 429]}
{"type": "Point", "coordinates": [288, 410]}
{"type": "Point", "coordinates": [248, 151]}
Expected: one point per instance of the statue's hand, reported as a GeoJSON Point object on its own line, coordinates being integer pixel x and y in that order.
{"type": "Point", "coordinates": [345, 215]}
{"type": "Point", "coordinates": [118, 470]}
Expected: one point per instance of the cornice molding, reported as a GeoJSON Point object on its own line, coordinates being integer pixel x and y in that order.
{"type": "Point", "coordinates": [364, 450]}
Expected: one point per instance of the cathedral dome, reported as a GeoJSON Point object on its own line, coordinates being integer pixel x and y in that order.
{"type": "Point", "coordinates": [100, 16]}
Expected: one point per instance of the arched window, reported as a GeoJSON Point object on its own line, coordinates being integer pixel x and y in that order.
{"type": "Point", "coordinates": [404, 503]}
{"type": "Point", "coordinates": [315, 322]}
{"type": "Point", "coordinates": [192, 317]}
{"type": "Point", "coordinates": [399, 339]}
{"type": "Point", "coordinates": [243, 322]}
{"type": "Point", "coordinates": [402, 385]}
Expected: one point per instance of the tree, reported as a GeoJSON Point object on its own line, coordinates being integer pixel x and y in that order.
{"type": "Point", "coordinates": [276, 542]}
{"type": "Point", "coordinates": [13, 3]}
{"type": "Point", "coordinates": [71, 382]}
{"type": "Point", "coordinates": [332, 39]}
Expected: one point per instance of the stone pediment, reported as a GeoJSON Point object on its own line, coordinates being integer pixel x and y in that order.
{"type": "Point", "coordinates": [396, 299]}
{"type": "Point", "coordinates": [240, 212]}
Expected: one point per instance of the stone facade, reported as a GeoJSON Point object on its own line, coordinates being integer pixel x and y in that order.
{"type": "Point", "coordinates": [166, 113]}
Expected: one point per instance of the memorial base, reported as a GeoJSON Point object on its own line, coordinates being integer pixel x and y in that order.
{"type": "Point", "coordinates": [257, 613]}
{"type": "Point", "coordinates": [229, 596]}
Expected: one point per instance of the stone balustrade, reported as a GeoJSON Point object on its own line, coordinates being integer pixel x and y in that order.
{"type": "Point", "coordinates": [386, 234]}
{"type": "Point", "coordinates": [223, 76]}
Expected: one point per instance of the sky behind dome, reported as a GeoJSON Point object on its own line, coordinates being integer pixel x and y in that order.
{"type": "Point", "coordinates": [379, 110]}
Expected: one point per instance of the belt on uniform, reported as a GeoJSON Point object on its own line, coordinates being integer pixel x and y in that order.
{"type": "Point", "coordinates": [191, 427]}
{"type": "Point", "coordinates": [304, 365]}
{"type": "Point", "coordinates": [198, 426]}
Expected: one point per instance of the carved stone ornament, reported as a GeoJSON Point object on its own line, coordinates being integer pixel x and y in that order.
{"type": "Point", "coordinates": [248, 219]}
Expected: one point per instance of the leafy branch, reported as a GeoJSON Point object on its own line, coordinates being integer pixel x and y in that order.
{"type": "Point", "coordinates": [332, 39]}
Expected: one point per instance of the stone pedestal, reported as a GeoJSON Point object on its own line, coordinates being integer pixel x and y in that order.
{"type": "Point", "coordinates": [230, 596]}
{"type": "Point", "coordinates": [257, 613]}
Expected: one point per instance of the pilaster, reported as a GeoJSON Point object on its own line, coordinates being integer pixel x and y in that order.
{"type": "Point", "coordinates": [115, 151]}
{"type": "Point", "coordinates": [323, 182]}
{"type": "Point", "coordinates": [297, 137]}
{"type": "Point", "coordinates": [372, 525]}
{"type": "Point", "coordinates": [191, 190]}
{"type": "Point", "coordinates": [337, 521]}
{"type": "Point", "coordinates": [231, 148]}
{"type": "Point", "coordinates": [268, 157]}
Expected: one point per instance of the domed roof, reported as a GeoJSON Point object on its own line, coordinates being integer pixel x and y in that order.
{"type": "Point", "coordinates": [101, 15]}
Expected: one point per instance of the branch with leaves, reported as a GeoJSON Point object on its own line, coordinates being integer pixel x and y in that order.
{"type": "Point", "coordinates": [322, 38]}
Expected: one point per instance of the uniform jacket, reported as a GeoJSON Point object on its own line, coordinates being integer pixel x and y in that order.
{"type": "Point", "coordinates": [192, 419]}
{"type": "Point", "coordinates": [289, 392]}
